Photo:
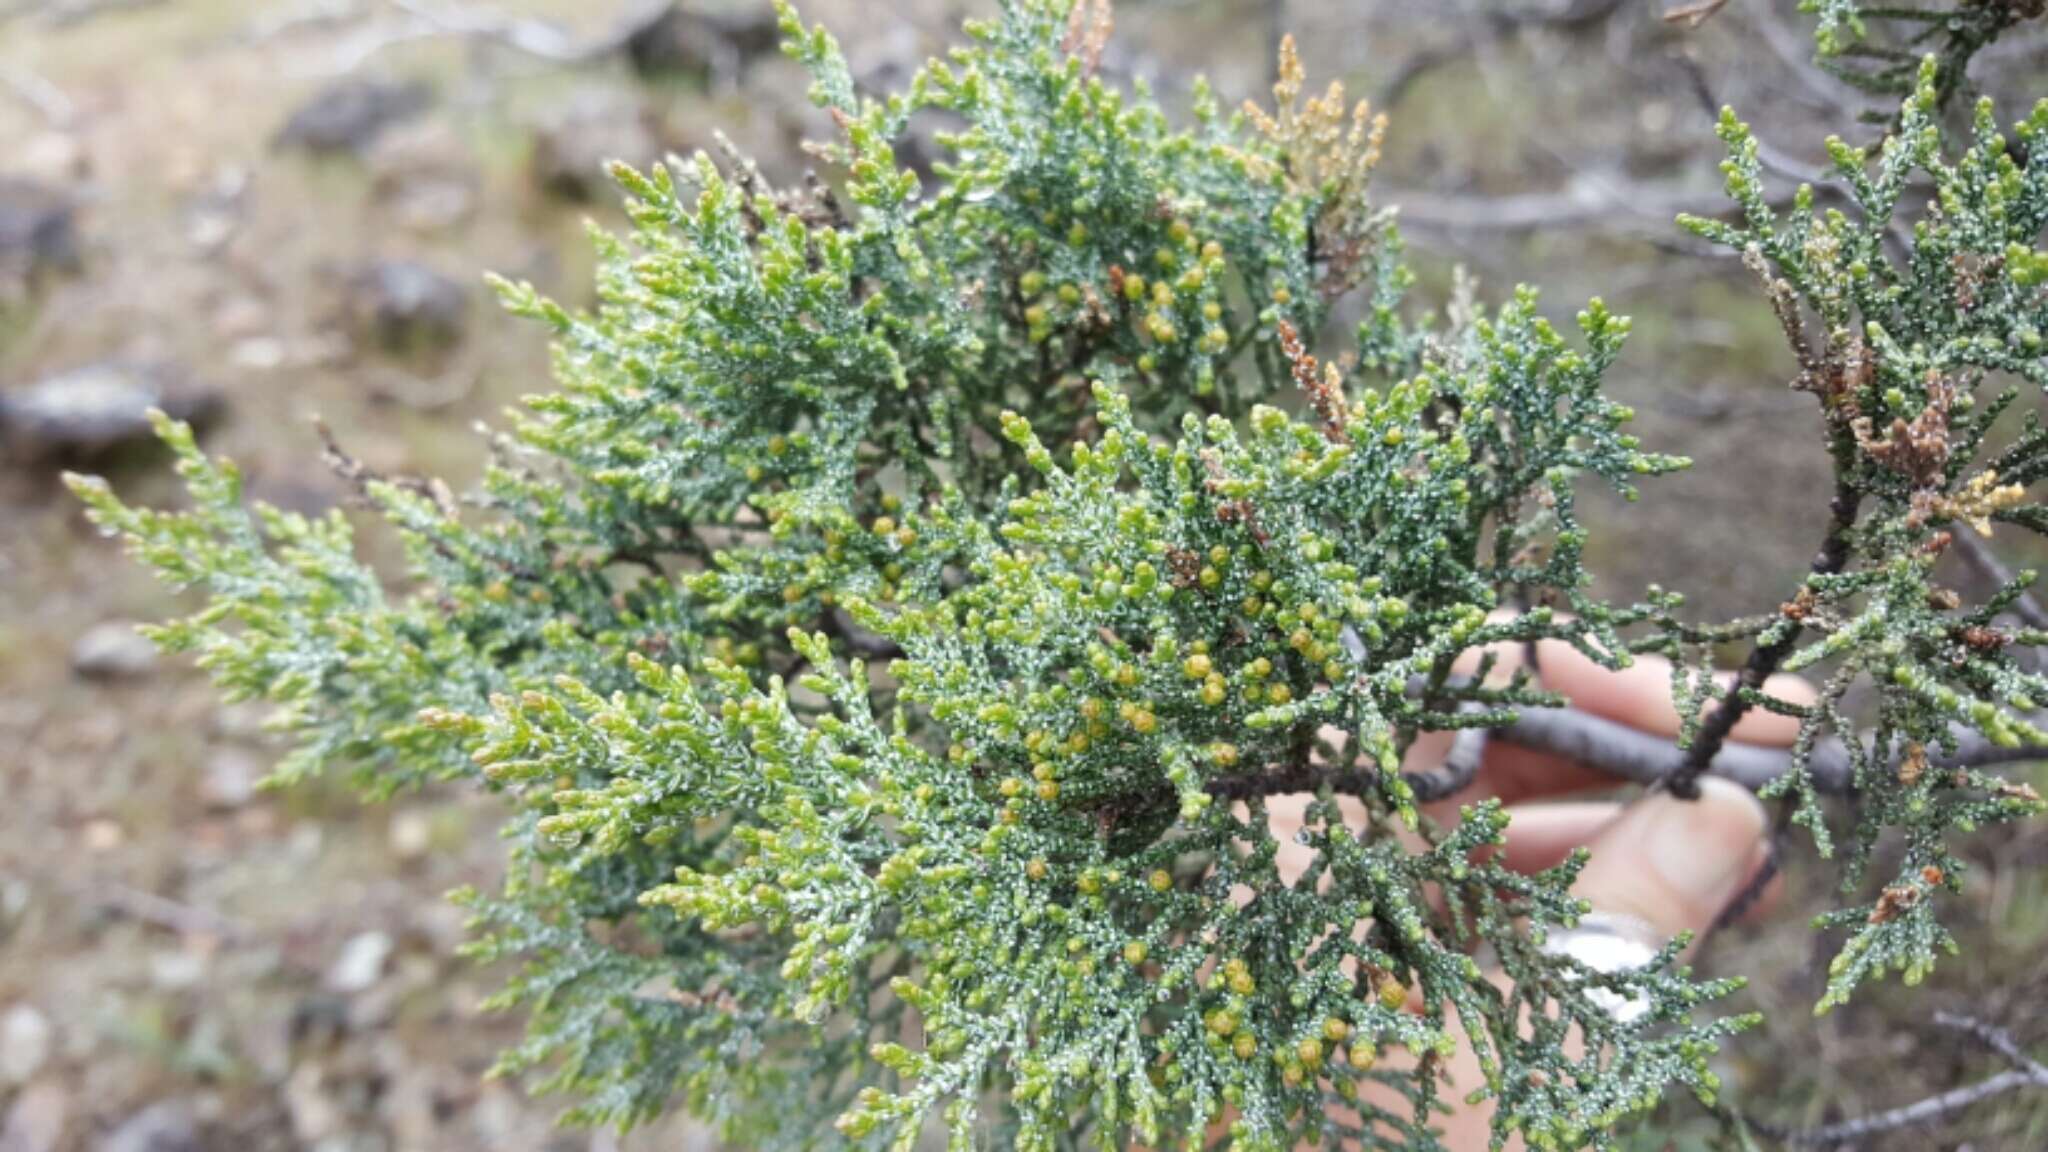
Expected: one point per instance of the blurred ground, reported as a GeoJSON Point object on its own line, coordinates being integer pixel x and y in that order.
{"type": "Point", "coordinates": [283, 210]}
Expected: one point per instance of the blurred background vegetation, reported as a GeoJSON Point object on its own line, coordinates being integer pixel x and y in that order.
{"type": "Point", "coordinates": [260, 212]}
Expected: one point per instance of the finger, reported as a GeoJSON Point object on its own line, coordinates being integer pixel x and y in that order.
{"type": "Point", "coordinates": [1508, 772]}
{"type": "Point", "coordinates": [1513, 774]}
{"type": "Point", "coordinates": [1766, 903]}
{"type": "Point", "coordinates": [1640, 694]}
{"type": "Point", "coordinates": [1541, 836]}
{"type": "Point", "coordinates": [1674, 863]}
{"type": "Point", "coordinates": [1286, 816]}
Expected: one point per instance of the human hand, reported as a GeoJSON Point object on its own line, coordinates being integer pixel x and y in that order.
{"type": "Point", "coordinates": [1675, 864]}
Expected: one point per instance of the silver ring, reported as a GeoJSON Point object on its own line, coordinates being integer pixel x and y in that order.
{"type": "Point", "coordinates": [1610, 943]}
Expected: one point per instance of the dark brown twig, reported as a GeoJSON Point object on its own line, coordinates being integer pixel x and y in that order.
{"type": "Point", "coordinates": [1764, 659]}
{"type": "Point", "coordinates": [861, 642]}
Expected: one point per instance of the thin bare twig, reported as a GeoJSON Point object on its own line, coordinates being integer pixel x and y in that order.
{"type": "Point", "coordinates": [1414, 67]}
{"type": "Point", "coordinates": [1611, 747]}
{"type": "Point", "coordinates": [1627, 754]}
{"type": "Point", "coordinates": [38, 93]}
{"type": "Point", "coordinates": [533, 37]}
{"type": "Point", "coordinates": [69, 12]}
{"type": "Point", "coordinates": [1634, 755]}
{"type": "Point", "coordinates": [1490, 26]}
{"type": "Point", "coordinates": [1461, 764]}
{"type": "Point", "coordinates": [1990, 1035]}
{"type": "Point", "coordinates": [1921, 1112]}
{"type": "Point", "coordinates": [1979, 556]}
{"type": "Point", "coordinates": [1774, 159]}
{"type": "Point", "coordinates": [1640, 757]}
{"type": "Point", "coordinates": [317, 14]}
{"type": "Point", "coordinates": [1694, 13]}
{"type": "Point", "coordinates": [1587, 204]}
{"type": "Point", "coordinates": [2025, 1073]}
{"type": "Point", "coordinates": [1794, 49]}
{"type": "Point", "coordinates": [162, 911]}
{"type": "Point", "coordinates": [429, 19]}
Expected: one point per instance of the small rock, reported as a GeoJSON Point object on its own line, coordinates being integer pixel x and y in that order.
{"type": "Point", "coordinates": [407, 308]}
{"type": "Point", "coordinates": [89, 411]}
{"type": "Point", "coordinates": [431, 203]}
{"type": "Point", "coordinates": [716, 44]}
{"type": "Point", "coordinates": [441, 924]}
{"type": "Point", "coordinates": [210, 231]}
{"type": "Point", "coordinates": [886, 63]}
{"type": "Point", "coordinates": [113, 650]}
{"type": "Point", "coordinates": [38, 233]}
{"type": "Point", "coordinates": [242, 720]}
{"type": "Point", "coordinates": [495, 1117]}
{"type": "Point", "coordinates": [15, 898]}
{"type": "Point", "coordinates": [178, 969]}
{"type": "Point", "coordinates": [574, 148]}
{"type": "Point", "coordinates": [102, 835]}
{"type": "Point", "coordinates": [35, 1121]}
{"type": "Point", "coordinates": [25, 1038]}
{"type": "Point", "coordinates": [360, 963]}
{"type": "Point", "coordinates": [239, 317]}
{"type": "Point", "coordinates": [373, 1009]}
{"type": "Point", "coordinates": [349, 115]}
{"type": "Point", "coordinates": [231, 777]}
{"type": "Point", "coordinates": [426, 176]}
{"type": "Point", "coordinates": [165, 1126]}
{"type": "Point", "coordinates": [778, 118]}
{"type": "Point", "coordinates": [412, 834]}
{"type": "Point", "coordinates": [215, 214]}
{"type": "Point", "coordinates": [318, 1022]}
{"type": "Point", "coordinates": [259, 354]}
{"type": "Point", "coordinates": [57, 157]}
{"type": "Point", "coordinates": [315, 1113]}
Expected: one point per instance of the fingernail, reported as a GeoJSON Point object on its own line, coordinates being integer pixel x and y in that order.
{"type": "Point", "coordinates": [1703, 850]}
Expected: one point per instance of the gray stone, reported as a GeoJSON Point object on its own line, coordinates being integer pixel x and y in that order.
{"type": "Point", "coordinates": [35, 1121]}
{"type": "Point", "coordinates": [575, 145]}
{"type": "Point", "coordinates": [715, 42]}
{"type": "Point", "coordinates": [25, 1041]}
{"type": "Point", "coordinates": [426, 176]}
{"type": "Point", "coordinates": [406, 307]}
{"type": "Point", "coordinates": [432, 203]}
{"type": "Point", "coordinates": [242, 720]}
{"type": "Point", "coordinates": [231, 777]}
{"type": "Point", "coordinates": [885, 63]}
{"type": "Point", "coordinates": [315, 1114]}
{"type": "Point", "coordinates": [165, 1126]}
{"type": "Point", "coordinates": [53, 157]}
{"type": "Point", "coordinates": [38, 232]}
{"type": "Point", "coordinates": [349, 115]}
{"type": "Point", "coordinates": [113, 650]}
{"type": "Point", "coordinates": [360, 963]}
{"type": "Point", "coordinates": [178, 969]}
{"type": "Point", "coordinates": [88, 411]}
{"type": "Point", "coordinates": [412, 834]}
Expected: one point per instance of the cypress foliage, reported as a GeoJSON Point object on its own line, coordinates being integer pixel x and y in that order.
{"type": "Point", "coordinates": [891, 629]}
